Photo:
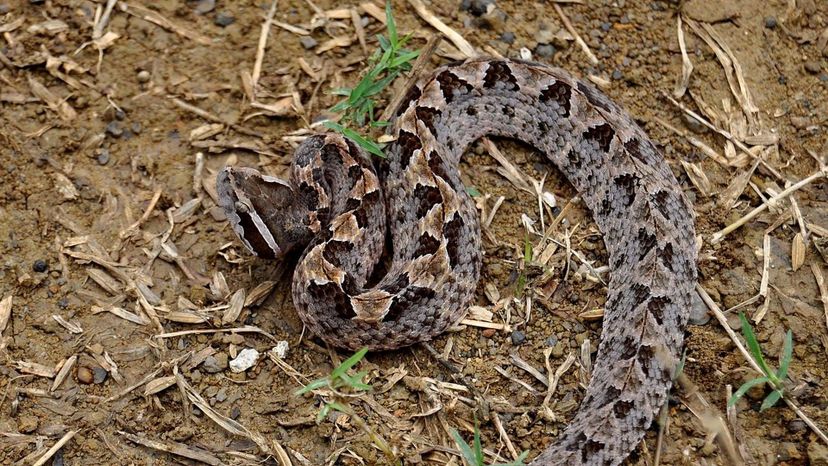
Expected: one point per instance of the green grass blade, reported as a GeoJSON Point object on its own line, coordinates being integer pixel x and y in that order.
{"type": "Point", "coordinates": [464, 447]}
{"type": "Point", "coordinates": [770, 400]}
{"type": "Point", "coordinates": [403, 59]}
{"type": "Point", "coordinates": [744, 389]}
{"type": "Point", "coordinates": [753, 345]}
{"type": "Point", "coordinates": [316, 384]}
{"type": "Point", "coordinates": [349, 363]}
{"type": "Point", "coordinates": [369, 146]}
{"type": "Point", "coordinates": [339, 407]}
{"type": "Point", "coordinates": [518, 462]}
{"type": "Point", "coordinates": [787, 354]}
{"type": "Point", "coordinates": [390, 24]}
{"type": "Point", "coordinates": [478, 447]}
{"type": "Point", "coordinates": [323, 413]}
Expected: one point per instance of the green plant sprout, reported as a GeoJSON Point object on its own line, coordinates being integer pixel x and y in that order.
{"type": "Point", "coordinates": [342, 386]}
{"type": "Point", "coordinates": [386, 64]}
{"type": "Point", "coordinates": [473, 454]}
{"type": "Point", "coordinates": [773, 378]}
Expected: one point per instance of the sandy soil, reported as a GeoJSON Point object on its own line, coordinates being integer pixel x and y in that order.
{"type": "Point", "coordinates": [114, 254]}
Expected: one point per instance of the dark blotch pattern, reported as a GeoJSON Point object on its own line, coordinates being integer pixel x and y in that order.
{"type": "Point", "coordinates": [622, 408]}
{"type": "Point", "coordinates": [661, 200]}
{"type": "Point", "coordinates": [452, 85]}
{"type": "Point", "coordinates": [452, 231]}
{"type": "Point", "coordinates": [435, 163]}
{"type": "Point", "coordinates": [559, 92]}
{"type": "Point", "coordinates": [499, 72]}
{"type": "Point", "coordinates": [408, 143]}
{"type": "Point", "coordinates": [647, 241]}
{"type": "Point", "coordinates": [254, 237]}
{"type": "Point", "coordinates": [427, 115]}
{"type": "Point", "coordinates": [398, 284]}
{"type": "Point", "coordinates": [332, 293]}
{"type": "Point", "coordinates": [426, 244]}
{"type": "Point", "coordinates": [590, 449]}
{"type": "Point", "coordinates": [625, 188]}
{"type": "Point", "coordinates": [602, 134]}
{"type": "Point", "coordinates": [657, 306]}
{"type": "Point", "coordinates": [413, 94]}
{"type": "Point", "coordinates": [334, 249]}
{"type": "Point", "coordinates": [308, 195]}
{"type": "Point", "coordinates": [666, 256]}
{"type": "Point", "coordinates": [426, 198]}
{"type": "Point", "coordinates": [410, 296]}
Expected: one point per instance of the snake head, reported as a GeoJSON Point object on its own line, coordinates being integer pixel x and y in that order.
{"type": "Point", "coordinates": [263, 211]}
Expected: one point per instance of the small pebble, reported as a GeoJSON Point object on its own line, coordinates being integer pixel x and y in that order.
{"type": "Point", "coordinates": [734, 322]}
{"type": "Point", "coordinates": [551, 341]}
{"type": "Point", "coordinates": [99, 375]}
{"type": "Point", "coordinates": [606, 26]}
{"type": "Point", "coordinates": [4, 9]}
{"type": "Point", "coordinates": [488, 333]}
{"type": "Point", "coordinates": [616, 75]}
{"type": "Point", "coordinates": [215, 363]}
{"type": "Point", "coordinates": [120, 114]}
{"type": "Point", "coordinates": [114, 129]}
{"type": "Point", "coordinates": [476, 7]}
{"type": "Point", "coordinates": [224, 19]}
{"type": "Point", "coordinates": [63, 303]}
{"type": "Point", "coordinates": [518, 337]}
{"type": "Point", "coordinates": [245, 360]}
{"type": "Point", "coordinates": [813, 67]}
{"type": "Point", "coordinates": [221, 395]}
{"type": "Point", "coordinates": [770, 22]}
{"type": "Point", "coordinates": [85, 375]}
{"type": "Point", "coordinates": [40, 266]}
{"type": "Point", "coordinates": [103, 157]}
{"type": "Point", "coordinates": [800, 122]}
{"type": "Point", "coordinates": [136, 127]}
{"type": "Point", "coordinates": [817, 453]}
{"type": "Point", "coordinates": [507, 37]}
{"type": "Point", "coordinates": [235, 413]}
{"type": "Point", "coordinates": [545, 50]}
{"type": "Point", "coordinates": [307, 42]}
{"type": "Point", "coordinates": [144, 76]}
{"type": "Point", "coordinates": [205, 6]}
{"type": "Point", "coordinates": [797, 425]}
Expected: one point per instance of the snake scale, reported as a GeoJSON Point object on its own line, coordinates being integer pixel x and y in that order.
{"type": "Point", "coordinates": [341, 211]}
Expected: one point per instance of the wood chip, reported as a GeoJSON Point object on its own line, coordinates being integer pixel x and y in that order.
{"type": "Point", "coordinates": [260, 293]}
{"type": "Point", "coordinates": [234, 310]}
{"type": "Point", "coordinates": [58, 105]}
{"type": "Point", "coordinates": [5, 312]}
{"type": "Point", "coordinates": [174, 448]}
{"type": "Point", "coordinates": [34, 368]}
{"type": "Point", "coordinates": [158, 385]}
{"type": "Point", "coordinates": [71, 327]}
{"type": "Point", "coordinates": [64, 372]}
{"type": "Point", "coordinates": [797, 252]}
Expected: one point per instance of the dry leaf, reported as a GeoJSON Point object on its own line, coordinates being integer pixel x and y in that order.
{"type": "Point", "coordinates": [797, 252]}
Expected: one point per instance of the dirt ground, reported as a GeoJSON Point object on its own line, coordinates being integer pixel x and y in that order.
{"type": "Point", "coordinates": [119, 280]}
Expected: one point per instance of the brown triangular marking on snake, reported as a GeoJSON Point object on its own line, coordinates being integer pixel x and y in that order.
{"type": "Point", "coordinates": [452, 85]}
{"type": "Point", "coordinates": [426, 198]}
{"type": "Point", "coordinates": [643, 152]}
{"type": "Point", "coordinates": [426, 244]}
{"type": "Point", "coordinates": [355, 173]}
{"type": "Point", "coordinates": [334, 249]}
{"type": "Point", "coordinates": [647, 242]}
{"type": "Point", "coordinates": [626, 186]}
{"type": "Point", "coordinates": [408, 143]}
{"type": "Point", "coordinates": [308, 194]}
{"type": "Point", "coordinates": [332, 293]}
{"type": "Point", "coordinates": [412, 94]}
{"type": "Point", "coordinates": [621, 409]}
{"type": "Point", "coordinates": [452, 232]}
{"type": "Point", "coordinates": [427, 115]}
{"type": "Point", "coordinates": [559, 92]}
{"type": "Point", "coordinates": [602, 134]}
{"type": "Point", "coordinates": [646, 356]}
{"type": "Point", "coordinates": [499, 72]}
{"type": "Point", "coordinates": [657, 306]}
{"type": "Point", "coordinates": [595, 98]}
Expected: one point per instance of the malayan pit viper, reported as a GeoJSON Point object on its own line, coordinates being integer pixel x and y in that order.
{"type": "Point", "coordinates": [338, 209]}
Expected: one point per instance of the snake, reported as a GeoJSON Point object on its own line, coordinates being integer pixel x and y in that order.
{"type": "Point", "coordinates": [390, 248]}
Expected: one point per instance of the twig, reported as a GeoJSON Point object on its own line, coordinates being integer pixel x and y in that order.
{"type": "Point", "coordinates": [717, 237]}
{"type": "Point", "coordinates": [592, 58]}
{"type": "Point", "coordinates": [414, 75]}
{"type": "Point", "coordinates": [823, 290]}
{"type": "Point", "coordinates": [462, 44]}
{"type": "Point", "coordinates": [260, 50]}
{"type": "Point", "coordinates": [60, 443]}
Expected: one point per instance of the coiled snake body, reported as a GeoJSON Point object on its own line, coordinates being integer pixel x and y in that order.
{"type": "Point", "coordinates": [338, 210]}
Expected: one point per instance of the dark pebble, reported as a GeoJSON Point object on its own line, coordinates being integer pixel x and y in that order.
{"type": "Point", "coordinates": [307, 42]}
{"type": "Point", "coordinates": [797, 425]}
{"type": "Point", "coordinates": [235, 413]}
{"type": "Point", "coordinates": [475, 7]}
{"type": "Point", "coordinates": [103, 157]}
{"type": "Point", "coordinates": [507, 37]}
{"type": "Point", "coordinates": [518, 337]}
{"type": "Point", "coordinates": [114, 129]}
{"type": "Point", "coordinates": [4, 9]}
{"type": "Point", "coordinates": [99, 375]}
{"type": "Point", "coordinates": [545, 50]}
{"type": "Point", "coordinates": [205, 6]}
{"type": "Point", "coordinates": [770, 22]}
{"type": "Point", "coordinates": [551, 341]}
{"type": "Point", "coordinates": [617, 75]}
{"type": "Point", "coordinates": [658, 6]}
{"type": "Point", "coordinates": [224, 19]}
{"type": "Point", "coordinates": [137, 128]}
{"type": "Point", "coordinates": [823, 77]}
{"type": "Point", "coordinates": [120, 115]}
{"type": "Point", "coordinates": [57, 460]}
{"type": "Point", "coordinates": [63, 303]}
{"type": "Point", "coordinates": [40, 266]}
{"type": "Point", "coordinates": [605, 26]}
{"type": "Point", "coordinates": [625, 19]}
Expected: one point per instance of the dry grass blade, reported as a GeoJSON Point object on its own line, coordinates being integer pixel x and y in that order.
{"type": "Point", "coordinates": [174, 448]}
{"type": "Point", "coordinates": [686, 64]}
{"type": "Point", "coordinates": [57, 446]}
{"type": "Point", "coordinates": [159, 20]}
{"type": "Point", "coordinates": [234, 310]}
{"type": "Point", "coordinates": [461, 43]}
{"type": "Point", "coordinates": [591, 56]}
{"type": "Point", "coordinates": [64, 372]}
{"type": "Point", "coordinates": [5, 312]}
{"type": "Point", "coordinates": [58, 105]}
{"type": "Point", "coordinates": [823, 289]}
{"type": "Point", "coordinates": [797, 252]}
